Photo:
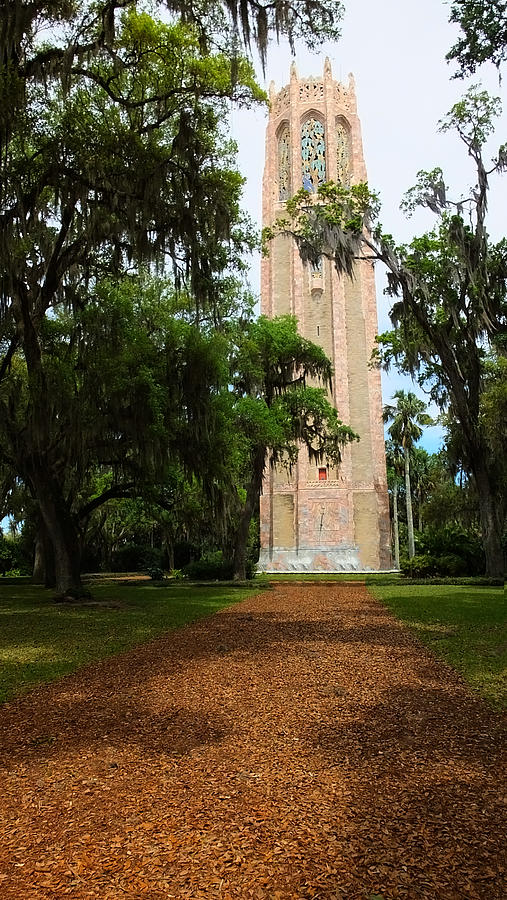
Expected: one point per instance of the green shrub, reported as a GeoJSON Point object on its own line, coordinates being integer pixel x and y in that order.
{"type": "Point", "coordinates": [213, 567]}
{"type": "Point", "coordinates": [136, 558]}
{"type": "Point", "coordinates": [451, 551]}
{"type": "Point", "coordinates": [15, 554]}
{"type": "Point", "coordinates": [454, 541]}
{"type": "Point", "coordinates": [426, 565]}
{"type": "Point", "coordinates": [420, 566]}
{"type": "Point", "coordinates": [209, 570]}
{"type": "Point", "coordinates": [152, 558]}
{"type": "Point", "coordinates": [177, 574]}
{"type": "Point", "coordinates": [156, 573]}
{"type": "Point", "coordinates": [451, 564]}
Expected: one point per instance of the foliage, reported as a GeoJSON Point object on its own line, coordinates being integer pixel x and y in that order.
{"type": "Point", "coordinates": [13, 559]}
{"type": "Point", "coordinates": [451, 503]}
{"type": "Point", "coordinates": [419, 566]}
{"type": "Point", "coordinates": [213, 567]}
{"type": "Point", "coordinates": [455, 540]}
{"type": "Point", "coordinates": [448, 550]}
{"type": "Point", "coordinates": [156, 573]}
{"type": "Point", "coordinates": [407, 419]}
{"type": "Point", "coordinates": [425, 565]}
{"type": "Point", "coordinates": [332, 226]}
{"type": "Point", "coordinates": [484, 34]}
{"type": "Point", "coordinates": [135, 406]}
{"type": "Point", "coordinates": [493, 405]}
{"type": "Point", "coordinates": [424, 473]}
{"type": "Point", "coordinates": [113, 159]}
{"type": "Point", "coordinates": [277, 411]}
{"type": "Point", "coordinates": [88, 35]}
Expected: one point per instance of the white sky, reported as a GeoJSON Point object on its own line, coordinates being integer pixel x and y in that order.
{"type": "Point", "coordinates": [396, 51]}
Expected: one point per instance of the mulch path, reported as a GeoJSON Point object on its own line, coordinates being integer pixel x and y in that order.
{"type": "Point", "coordinates": [298, 745]}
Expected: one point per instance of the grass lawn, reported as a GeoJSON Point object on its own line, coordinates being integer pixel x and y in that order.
{"type": "Point", "coordinates": [465, 625]}
{"type": "Point", "coordinates": [41, 641]}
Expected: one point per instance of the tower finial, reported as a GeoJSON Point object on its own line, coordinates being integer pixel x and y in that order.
{"type": "Point", "coordinates": [327, 68]}
{"type": "Point", "coordinates": [272, 91]}
{"type": "Point", "coordinates": [352, 84]}
{"type": "Point", "coordinates": [293, 71]}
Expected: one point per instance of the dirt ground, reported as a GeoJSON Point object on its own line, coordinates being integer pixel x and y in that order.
{"type": "Point", "coordinates": [298, 745]}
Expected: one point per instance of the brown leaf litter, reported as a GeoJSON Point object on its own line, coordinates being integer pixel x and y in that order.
{"type": "Point", "coordinates": [297, 746]}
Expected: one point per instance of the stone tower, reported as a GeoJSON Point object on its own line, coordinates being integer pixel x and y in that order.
{"type": "Point", "coordinates": [319, 518]}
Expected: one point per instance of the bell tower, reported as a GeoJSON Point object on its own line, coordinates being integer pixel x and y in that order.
{"type": "Point", "coordinates": [319, 518]}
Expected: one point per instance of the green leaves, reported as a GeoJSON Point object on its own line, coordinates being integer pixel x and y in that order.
{"type": "Point", "coordinates": [332, 223]}
{"type": "Point", "coordinates": [484, 33]}
{"type": "Point", "coordinates": [407, 418]}
{"type": "Point", "coordinates": [275, 406]}
{"type": "Point", "coordinates": [473, 116]}
{"type": "Point", "coordinates": [271, 357]}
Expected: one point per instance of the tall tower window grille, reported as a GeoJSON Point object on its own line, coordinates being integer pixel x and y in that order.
{"type": "Point", "coordinates": [342, 155]}
{"type": "Point", "coordinates": [313, 154]}
{"type": "Point", "coordinates": [284, 164]}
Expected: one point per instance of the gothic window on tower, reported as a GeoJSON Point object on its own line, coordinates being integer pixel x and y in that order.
{"type": "Point", "coordinates": [323, 474]}
{"type": "Point", "coordinates": [313, 154]}
{"type": "Point", "coordinates": [284, 164]}
{"type": "Point", "coordinates": [342, 154]}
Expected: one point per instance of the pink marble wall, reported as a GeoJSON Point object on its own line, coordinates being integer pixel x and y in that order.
{"type": "Point", "coordinates": [326, 517]}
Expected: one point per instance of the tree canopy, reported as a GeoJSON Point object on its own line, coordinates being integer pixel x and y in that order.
{"type": "Point", "coordinates": [278, 411]}
{"type": "Point", "coordinates": [484, 33]}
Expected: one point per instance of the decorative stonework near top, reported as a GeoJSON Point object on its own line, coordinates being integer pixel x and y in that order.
{"type": "Point", "coordinates": [313, 154]}
{"type": "Point", "coordinates": [311, 90]}
{"type": "Point", "coordinates": [281, 100]}
{"type": "Point", "coordinates": [342, 96]}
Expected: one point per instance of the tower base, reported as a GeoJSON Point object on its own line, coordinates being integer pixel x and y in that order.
{"type": "Point", "coordinates": [312, 560]}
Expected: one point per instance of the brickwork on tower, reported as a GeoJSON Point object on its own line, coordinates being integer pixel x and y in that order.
{"type": "Point", "coordinates": [319, 518]}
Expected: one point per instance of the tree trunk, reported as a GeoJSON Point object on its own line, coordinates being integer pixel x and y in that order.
{"type": "Point", "coordinates": [491, 520]}
{"type": "Point", "coordinates": [169, 548]}
{"type": "Point", "coordinates": [39, 560]}
{"type": "Point", "coordinates": [252, 498]}
{"type": "Point", "coordinates": [396, 529]}
{"type": "Point", "coordinates": [44, 562]}
{"type": "Point", "coordinates": [408, 498]}
{"type": "Point", "coordinates": [61, 531]}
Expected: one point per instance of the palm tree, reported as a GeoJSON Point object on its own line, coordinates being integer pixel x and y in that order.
{"type": "Point", "coordinates": [407, 418]}
{"type": "Point", "coordinates": [394, 460]}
